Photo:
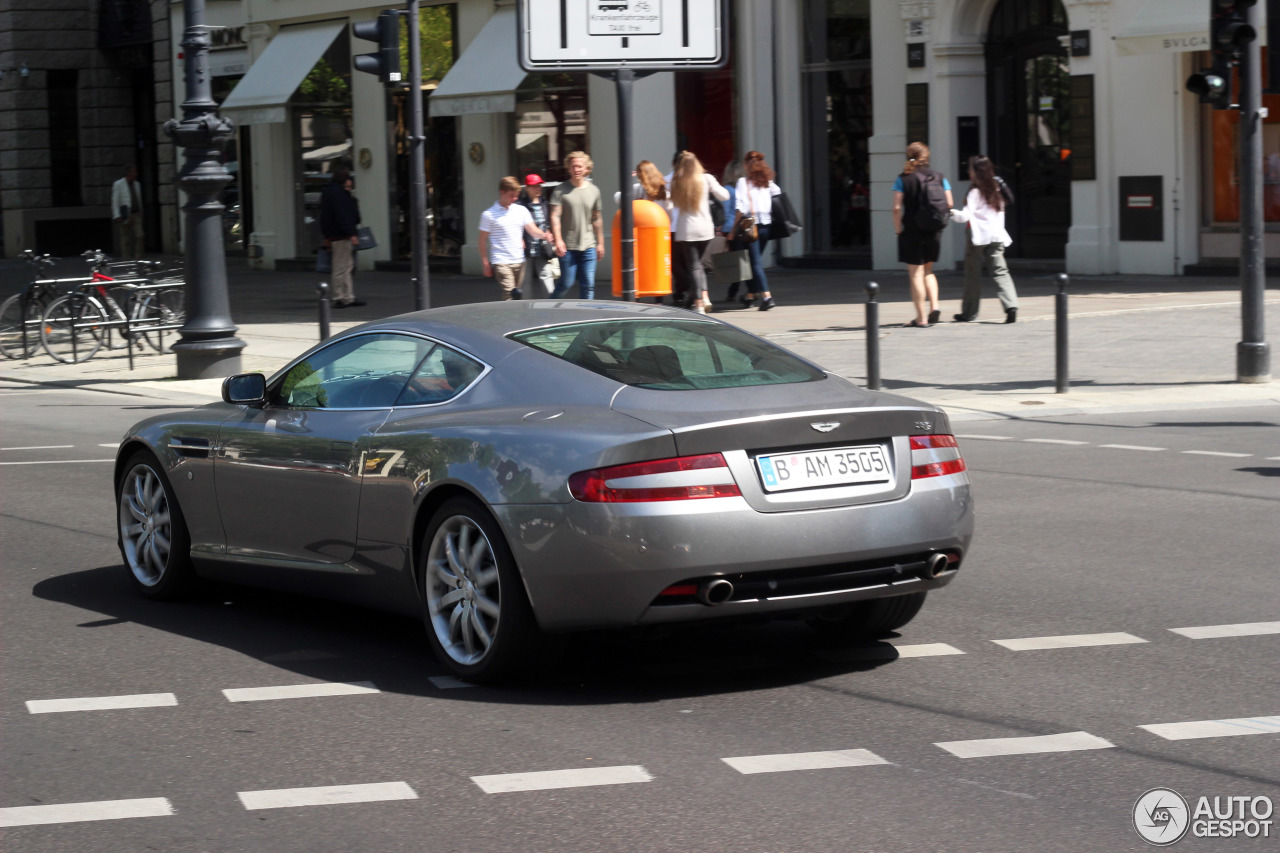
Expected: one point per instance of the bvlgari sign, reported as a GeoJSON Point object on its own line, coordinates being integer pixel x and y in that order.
{"type": "Point", "coordinates": [1165, 26]}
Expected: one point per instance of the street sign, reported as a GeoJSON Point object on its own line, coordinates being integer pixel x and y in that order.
{"type": "Point", "coordinates": [593, 35]}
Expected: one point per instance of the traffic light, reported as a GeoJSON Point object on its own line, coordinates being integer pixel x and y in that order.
{"type": "Point", "coordinates": [1213, 85]}
{"type": "Point", "coordinates": [385, 30]}
{"type": "Point", "coordinates": [1229, 34]}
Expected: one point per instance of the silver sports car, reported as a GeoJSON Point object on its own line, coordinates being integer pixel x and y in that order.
{"type": "Point", "coordinates": [511, 470]}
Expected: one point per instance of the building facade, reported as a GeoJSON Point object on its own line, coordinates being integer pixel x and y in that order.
{"type": "Point", "coordinates": [1081, 103]}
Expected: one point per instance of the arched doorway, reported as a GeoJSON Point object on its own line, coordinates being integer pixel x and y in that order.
{"type": "Point", "coordinates": [1029, 124]}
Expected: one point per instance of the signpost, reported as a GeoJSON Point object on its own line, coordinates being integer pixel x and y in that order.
{"type": "Point", "coordinates": [622, 40]}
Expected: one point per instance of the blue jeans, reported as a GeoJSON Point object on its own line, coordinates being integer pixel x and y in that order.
{"type": "Point", "coordinates": [577, 265]}
{"type": "Point", "coordinates": [758, 283]}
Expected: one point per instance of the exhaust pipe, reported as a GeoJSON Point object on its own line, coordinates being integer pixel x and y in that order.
{"type": "Point", "coordinates": [714, 591]}
{"type": "Point", "coordinates": [935, 565]}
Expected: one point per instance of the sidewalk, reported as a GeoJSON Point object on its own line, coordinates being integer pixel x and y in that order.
{"type": "Point", "coordinates": [1137, 343]}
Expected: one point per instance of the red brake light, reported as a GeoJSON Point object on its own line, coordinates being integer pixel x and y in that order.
{"type": "Point", "coordinates": [935, 456]}
{"type": "Point", "coordinates": [677, 479]}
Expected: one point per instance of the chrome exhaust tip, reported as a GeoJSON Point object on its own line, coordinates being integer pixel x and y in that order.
{"type": "Point", "coordinates": [714, 592]}
{"type": "Point", "coordinates": [936, 565]}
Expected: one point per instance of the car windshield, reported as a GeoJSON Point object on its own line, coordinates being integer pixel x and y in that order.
{"type": "Point", "coordinates": [671, 355]}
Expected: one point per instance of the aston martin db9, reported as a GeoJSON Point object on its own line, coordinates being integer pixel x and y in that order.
{"type": "Point", "coordinates": [512, 470]}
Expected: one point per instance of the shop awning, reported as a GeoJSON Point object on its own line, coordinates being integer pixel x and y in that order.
{"type": "Point", "coordinates": [485, 77]}
{"type": "Point", "coordinates": [263, 93]}
{"type": "Point", "coordinates": [1165, 26]}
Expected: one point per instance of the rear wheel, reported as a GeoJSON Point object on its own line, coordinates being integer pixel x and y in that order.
{"type": "Point", "coordinates": [872, 618]}
{"type": "Point", "coordinates": [12, 323]}
{"type": "Point", "coordinates": [73, 328]}
{"type": "Point", "coordinates": [152, 533]}
{"type": "Point", "coordinates": [161, 308]}
{"type": "Point", "coordinates": [478, 620]}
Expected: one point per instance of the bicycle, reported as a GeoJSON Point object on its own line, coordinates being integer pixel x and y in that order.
{"type": "Point", "coordinates": [20, 314]}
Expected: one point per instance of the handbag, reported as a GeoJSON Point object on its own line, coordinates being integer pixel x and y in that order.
{"type": "Point", "coordinates": [324, 259]}
{"type": "Point", "coordinates": [548, 249]}
{"type": "Point", "coordinates": [744, 229]}
{"type": "Point", "coordinates": [717, 213]}
{"type": "Point", "coordinates": [365, 235]}
{"type": "Point", "coordinates": [732, 266]}
{"type": "Point", "coordinates": [784, 214]}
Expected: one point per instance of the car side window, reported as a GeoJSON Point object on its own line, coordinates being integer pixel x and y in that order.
{"type": "Point", "coordinates": [441, 376]}
{"type": "Point", "coordinates": [362, 372]}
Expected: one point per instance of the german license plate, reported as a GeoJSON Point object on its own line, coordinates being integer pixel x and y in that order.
{"type": "Point", "coordinates": [840, 466]}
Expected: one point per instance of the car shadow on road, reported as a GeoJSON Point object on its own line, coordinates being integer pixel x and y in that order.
{"type": "Point", "coordinates": [335, 642]}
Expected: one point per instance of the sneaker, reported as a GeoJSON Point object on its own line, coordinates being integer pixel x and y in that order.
{"type": "Point", "coordinates": [517, 293]}
{"type": "Point", "coordinates": [355, 303]}
{"type": "Point", "coordinates": [698, 309]}
{"type": "Point", "coordinates": [965, 318]}
{"type": "Point", "coordinates": [1011, 315]}
{"type": "Point", "coordinates": [766, 304]}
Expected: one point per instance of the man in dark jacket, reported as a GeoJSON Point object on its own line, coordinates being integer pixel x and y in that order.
{"type": "Point", "coordinates": [339, 223]}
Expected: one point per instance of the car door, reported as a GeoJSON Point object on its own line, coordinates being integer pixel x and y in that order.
{"type": "Point", "coordinates": [288, 473]}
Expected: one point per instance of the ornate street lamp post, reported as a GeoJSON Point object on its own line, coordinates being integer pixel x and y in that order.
{"type": "Point", "coordinates": [209, 347]}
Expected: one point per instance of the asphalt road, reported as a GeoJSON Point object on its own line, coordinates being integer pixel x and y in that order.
{"type": "Point", "coordinates": [1115, 530]}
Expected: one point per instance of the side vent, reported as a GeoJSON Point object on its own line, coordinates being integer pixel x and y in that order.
{"type": "Point", "coordinates": [190, 448]}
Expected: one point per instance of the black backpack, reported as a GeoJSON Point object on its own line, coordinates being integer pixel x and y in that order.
{"type": "Point", "coordinates": [1005, 192]}
{"type": "Point", "coordinates": [932, 211]}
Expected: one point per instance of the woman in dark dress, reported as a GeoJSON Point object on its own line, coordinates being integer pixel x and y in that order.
{"type": "Point", "coordinates": [918, 249]}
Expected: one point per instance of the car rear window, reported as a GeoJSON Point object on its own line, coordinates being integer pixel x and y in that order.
{"type": "Point", "coordinates": [671, 355]}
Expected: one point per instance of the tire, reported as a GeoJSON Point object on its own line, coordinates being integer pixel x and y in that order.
{"type": "Point", "coordinates": [151, 531]}
{"type": "Point", "coordinates": [70, 330]}
{"type": "Point", "coordinates": [478, 619]}
{"type": "Point", "coordinates": [873, 618]}
{"type": "Point", "coordinates": [11, 323]}
{"type": "Point", "coordinates": [162, 308]}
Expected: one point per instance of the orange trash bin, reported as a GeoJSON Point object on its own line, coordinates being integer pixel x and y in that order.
{"type": "Point", "coordinates": [652, 249]}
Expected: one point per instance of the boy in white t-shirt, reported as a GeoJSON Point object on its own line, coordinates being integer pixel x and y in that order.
{"type": "Point", "coordinates": [501, 241]}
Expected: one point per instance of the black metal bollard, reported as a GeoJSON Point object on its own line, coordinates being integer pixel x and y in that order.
{"type": "Point", "coordinates": [873, 337]}
{"type": "Point", "coordinates": [1060, 333]}
{"type": "Point", "coordinates": [324, 310]}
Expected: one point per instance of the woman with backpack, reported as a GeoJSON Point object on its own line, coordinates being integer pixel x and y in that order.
{"type": "Point", "coordinates": [921, 209]}
{"type": "Point", "coordinates": [984, 211]}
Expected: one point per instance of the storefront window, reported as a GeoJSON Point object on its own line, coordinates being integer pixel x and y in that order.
{"type": "Point", "coordinates": [1225, 169]}
{"type": "Point", "coordinates": [837, 81]}
{"type": "Point", "coordinates": [550, 121]}
{"type": "Point", "coordinates": [322, 120]}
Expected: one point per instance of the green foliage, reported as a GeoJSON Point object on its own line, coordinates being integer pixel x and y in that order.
{"type": "Point", "coordinates": [324, 85]}
{"type": "Point", "coordinates": [435, 40]}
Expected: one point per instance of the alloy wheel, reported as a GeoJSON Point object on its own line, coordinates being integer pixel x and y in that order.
{"type": "Point", "coordinates": [464, 591]}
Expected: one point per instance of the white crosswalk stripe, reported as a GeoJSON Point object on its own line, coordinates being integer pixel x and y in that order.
{"type": "Point", "coordinates": [101, 703]}
{"type": "Point", "coordinates": [299, 691]}
{"type": "Point", "coordinates": [1194, 729]}
{"type": "Point", "coordinates": [1066, 742]}
{"type": "Point", "coordinates": [783, 762]}
{"type": "Point", "coordinates": [547, 780]}
{"type": "Point", "coordinates": [1242, 629]}
{"type": "Point", "coordinates": [1068, 641]}
{"type": "Point", "coordinates": [328, 795]}
{"type": "Point", "coordinates": [81, 812]}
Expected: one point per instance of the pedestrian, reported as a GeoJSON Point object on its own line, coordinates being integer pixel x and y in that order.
{"type": "Point", "coordinates": [918, 247]}
{"type": "Point", "coordinates": [578, 227]}
{"type": "Point", "coordinates": [691, 191]}
{"type": "Point", "coordinates": [502, 229]}
{"type": "Point", "coordinates": [540, 250]}
{"type": "Point", "coordinates": [126, 212]}
{"type": "Point", "coordinates": [732, 172]}
{"type": "Point", "coordinates": [754, 197]}
{"type": "Point", "coordinates": [339, 225]}
{"type": "Point", "coordinates": [984, 250]}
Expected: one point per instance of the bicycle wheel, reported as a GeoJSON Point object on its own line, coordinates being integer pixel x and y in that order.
{"type": "Point", "coordinates": [73, 328]}
{"type": "Point", "coordinates": [11, 326]}
{"type": "Point", "coordinates": [159, 308]}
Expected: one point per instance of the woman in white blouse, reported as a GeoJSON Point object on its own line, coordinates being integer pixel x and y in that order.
{"type": "Point", "coordinates": [691, 189]}
{"type": "Point", "coordinates": [754, 197]}
{"type": "Point", "coordinates": [984, 250]}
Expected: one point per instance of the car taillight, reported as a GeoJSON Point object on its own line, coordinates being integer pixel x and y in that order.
{"type": "Point", "coordinates": [935, 456]}
{"type": "Point", "coordinates": [681, 478]}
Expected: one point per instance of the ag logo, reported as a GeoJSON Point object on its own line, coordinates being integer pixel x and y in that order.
{"type": "Point", "coordinates": [1161, 816]}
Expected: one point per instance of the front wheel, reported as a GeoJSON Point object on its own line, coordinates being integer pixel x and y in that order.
{"type": "Point", "coordinates": [19, 334]}
{"type": "Point", "coordinates": [73, 328]}
{"type": "Point", "coordinates": [865, 619]}
{"type": "Point", "coordinates": [478, 620]}
{"type": "Point", "coordinates": [152, 533]}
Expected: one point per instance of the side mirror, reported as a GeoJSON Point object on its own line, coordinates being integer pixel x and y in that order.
{"type": "Point", "coordinates": [245, 389]}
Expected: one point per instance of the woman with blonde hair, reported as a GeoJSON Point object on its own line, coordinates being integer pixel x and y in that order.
{"type": "Point", "coordinates": [754, 197]}
{"type": "Point", "coordinates": [918, 248]}
{"type": "Point", "coordinates": [691, 190]}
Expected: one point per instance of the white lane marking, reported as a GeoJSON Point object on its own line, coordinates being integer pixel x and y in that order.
{"type": "Point", "coordinates": [41, 447]}
{"type": "Point", "coordinates": [547, 780]}
{"type": "Point", "coordinates": [785, 762]}
{"type": "Point", "coordinates": [1066, 742]}
{"type": "Point", "coordinates": [1068, 641]}
{"type": "Point", "coordinates": [1053, 441]}
{"type": "Point", "coordinates": [299, 691]}
{"type": "Point", "coordinates": [1215, 728]}
{"type": "Point", "coordinates": [1131, 447]}
{"type": "Point", "coordinates": [110, 444]}
{"type": "Point", "coordinates": [447, 682]}
{"type": "Point", "coordinates": [987, 437]}
{"type": "Point", "coordinates": [101, 703]}
{"type": "Point", "coordinates": [1243, 629]}
{"type": "Point", "coordinates": [1218, 453]}
{"type": "Point", "coordinates": [287, 798]}
{"type": "Point", "coordinates": [57, 462]}
{"type": "Point", "coordinates": [78, 812]}
{"type": "Point", "coordinates": [923, 650]}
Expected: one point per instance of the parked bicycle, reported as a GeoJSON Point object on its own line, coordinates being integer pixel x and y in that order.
{"type": "Point", "coordinates": [20, 314]}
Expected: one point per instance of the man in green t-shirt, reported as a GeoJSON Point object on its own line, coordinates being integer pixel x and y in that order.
{"type": "Point", "coordinates": [578, 227]}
